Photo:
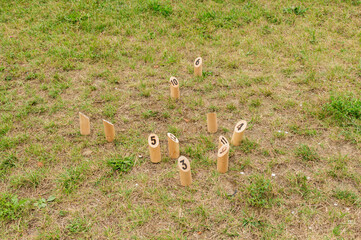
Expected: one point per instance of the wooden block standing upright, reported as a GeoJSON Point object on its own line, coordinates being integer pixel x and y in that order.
{"type": "Point", "coordinates": [173, 146]}
{"type": "Point", "coordinates": [222, 159]}
{"type": "Point", "coordinates": [84, 124]}
{"type": "Point", "coordinates": [174, 88]}
{"type": "Point", "coordinates": [198, 67]}
{"type": "Point", "coordinates": [222, 140]}
{"type": "Point", "coordinates": [184, 171]}
{"type": "Point", "coordinates": [212, 122]}
{"type": "Point", "coordinates": [154, 148]}
{"type": "Point", "coordinates": [109, 130]}
{"type": "Point", "coordinates": [238, 133]}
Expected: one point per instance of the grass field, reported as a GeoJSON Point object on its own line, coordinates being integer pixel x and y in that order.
{"type": "Point", "coordinates": [291, 69]}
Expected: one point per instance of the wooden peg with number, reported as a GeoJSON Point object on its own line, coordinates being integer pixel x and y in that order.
{"type": "Point", "coordinates": [84, 124]}
{"type": "Point", "coordinates": [198, 67]}
{"type": "Point", "coordinates": [238, 133]}
{"type": "Point", "coordinates": [173, 146]}
{"type": "Point", "coordinates": [184, 171]}
{"type": "Point", "coordinates": [154, 148]}
{"type": "Point", "coordinates": [212, 122]}
{"type": "Point", "coordinates": [222, 140]}
{"type": "Point", "coordinates": [109, 130]}
{"type": "Point", "coordinates": [222, 159]}
{"type": "Point", "coordinates": [174, 88]}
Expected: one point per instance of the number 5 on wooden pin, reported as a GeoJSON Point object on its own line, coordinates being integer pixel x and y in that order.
{"type": "Point", "coordinates": [84, 124]}
{"type": "Point", "coordinates": [174, 88]}
{"type": "Point", "coordinates": [154, 148]}
{"type": "Point", "coordinates": [109, 130]}
{"type": "Point", "coordinates": [173, 146]}
{"type": "Point", "coordinates": [198, 67]}
{"type": "Point", "coordinates": [238, 132]}
{"type": "Point", "coordinates": [184, 171]}
{"type": "Point", "coordinates": [222, 159]}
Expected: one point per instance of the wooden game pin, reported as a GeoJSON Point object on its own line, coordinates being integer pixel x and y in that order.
{"type": "Point", "coordinates": [198, 67]}
{"type": "Point", "coordinates": [84, 124]}
{"type": "Point", "coordinates": [154, 148]}
{"type": "Point", "coordinates": [212, 122]}
{"type": "Point", "coordinates": [184, 171]}
{"type": "Point", "coordinates": [109, 130]}
{"type": "Point", "coordinates": [238, 132]}
{"type": "Point", "coordinates": [174, 88]}
{"type": "Point", "coordinates": [222, 159]}
{"type": "Point", "coordinates": [173, 146]}
{"type": "Point", "coordinates": [222, 140]}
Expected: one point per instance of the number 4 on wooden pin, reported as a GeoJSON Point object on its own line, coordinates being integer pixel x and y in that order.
{"type": "Point", "coordinates": [238, 132]}
{"type": "Point", "coordinates": [184, 171]}
{"type": "Point", "coordinates": [154, 148]}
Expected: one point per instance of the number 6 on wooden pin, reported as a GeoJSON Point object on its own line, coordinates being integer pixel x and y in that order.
{"type": "Point", "coordinates": [184, 171]}
{"type": "Point", "coordinates": [173, 146]}
{"type": "Point", "coordinates": [109, 130]}
{"type": "Point", "coordinates": [238, 132]}
{"type": "Point", "coordinates": [174, 88]}
{"type": "Point", "coordinates": [198, 67]}
{"type": "Point", "coordinates": [154, 148]}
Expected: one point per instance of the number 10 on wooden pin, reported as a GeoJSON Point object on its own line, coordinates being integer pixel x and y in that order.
{"type": "Point", "coordinates": [184, 171]}
{"type": "Point", "coordinates": [174, 88]}
{"type": "Point", "coordinates": [154, 148]}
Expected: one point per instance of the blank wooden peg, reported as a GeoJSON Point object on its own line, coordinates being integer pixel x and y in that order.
{"type": "Point", "coordinates": [173, 146]}
{"type": "Point", "coordinates": [174, 88]}
{"type": "Point", "coordinates": [212, 122]}
{"type": "Point", "coordinates": [222, 140]}
{"type": "Point", "coordinates": [198, 67]}
{"type": "Point", "coordinates": [84, 124]}
{"type": "Point", "coordinates": [154, 148]}
{"type": "Point", "coordinates": [222, 159]}
{"type": "Point", "coordinates": [238, 133]}
{"type": "Point", "coordinates": [109, 130]}
{"type": "Point", "coordinates": [184, 171]}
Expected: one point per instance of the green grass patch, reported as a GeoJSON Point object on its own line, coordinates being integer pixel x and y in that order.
{"type": "Point", "coordinates": [11, 207]}
{"type": "Point", "coordinates": [260, 192]}
{"type": "Point", "coordinates": [306, 153]}
{"type": "Point", "coordinates": [121, 164]}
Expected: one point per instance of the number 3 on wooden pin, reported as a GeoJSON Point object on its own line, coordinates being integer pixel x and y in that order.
{"type": "Point", "coordinates": [154, 148]}
{"type": "Point", "coordinates": [174, 88]}
{"type": "Point", "coordinates": [184, 171]}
